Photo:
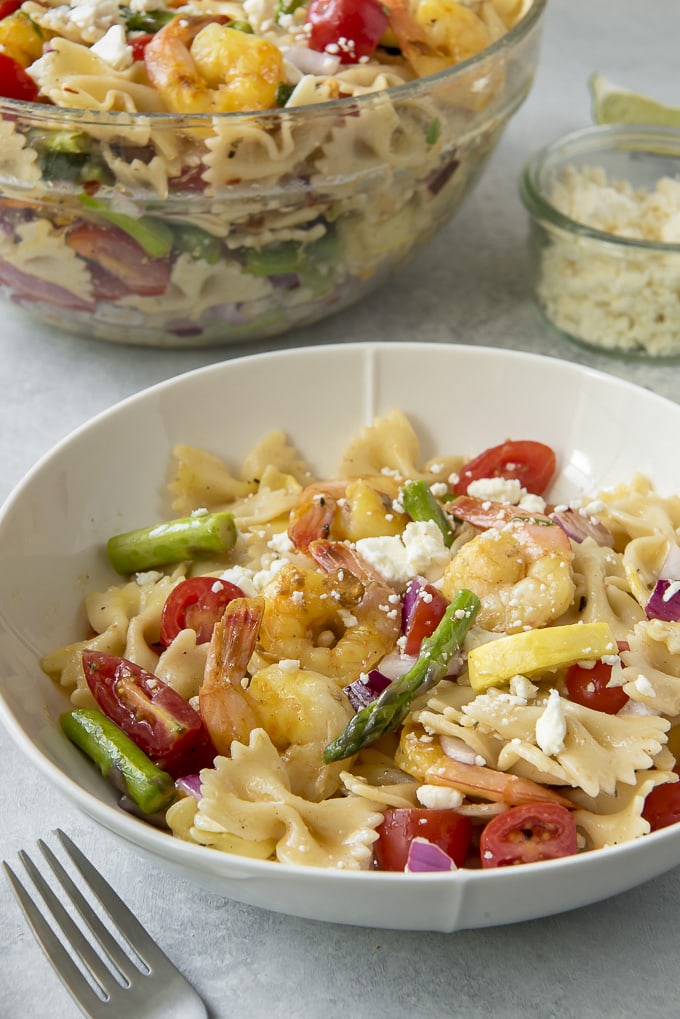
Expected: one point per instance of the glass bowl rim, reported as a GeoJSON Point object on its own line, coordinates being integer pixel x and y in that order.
{"type": "Point", "coordinates": [601, 137]}
{"type": "Point", "coordinates": [17, 108]}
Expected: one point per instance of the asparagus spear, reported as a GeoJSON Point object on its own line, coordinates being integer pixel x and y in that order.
{"type": "Point", "coordinates": [119, 759]}
{"type": "Point", "coordinates": [391, 707]}
{"type": "Point", "coordinates": [186, 538]}
{"type": "Point", "coordinates": [420, 504]}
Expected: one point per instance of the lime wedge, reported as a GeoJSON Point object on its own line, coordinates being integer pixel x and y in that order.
{"type": "Point", "coordinates": [615, 105]}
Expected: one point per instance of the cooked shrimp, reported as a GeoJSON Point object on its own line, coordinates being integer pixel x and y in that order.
{"type": "Point", "coordinates": [303, 617]}
{"type": "Point", "coordinates": [427, 762]}
{"type": "Point", "coordinates": [361, 507]}
{"type": "Point", "coordinates": [302, 712]}
{"type": "Point", "coordinates": [200, 65]}
{"type": "Point", "coordinates": [226, 709]}
{"type": "Point", "coordinates": [437, 34]}
{"type": "Point", "coordinates": [520, 566]}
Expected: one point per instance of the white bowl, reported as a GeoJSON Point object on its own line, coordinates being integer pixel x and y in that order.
{"type": "Point", "coordinates": [109, 476]}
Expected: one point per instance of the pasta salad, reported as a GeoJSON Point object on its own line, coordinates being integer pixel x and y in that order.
{"type": "Point", "coordinates": [408, 667]}
{"type": "Point", "coordinates": [183, 174]}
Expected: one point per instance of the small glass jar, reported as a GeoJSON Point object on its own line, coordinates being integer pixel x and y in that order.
{"type": "Point", "coordinates": [607, 291]}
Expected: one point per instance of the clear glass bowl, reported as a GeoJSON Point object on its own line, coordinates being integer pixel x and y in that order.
{"type": "Point", "coordinates": [250, 223]}
{"type": "Point", "coordinates": [604, 291]}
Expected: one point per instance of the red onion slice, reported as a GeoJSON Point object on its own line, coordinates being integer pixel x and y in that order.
{"type": "Point", "coordinates": [424, 857]}
{"type": "Point", "coordinates": [671, 567]}
{"type": "Point", "coordinates": [190, 784]}
{"type": "Point", "coordinates": [578, 526]}
{"type": "Point", "coordinates": [365, 690]}
{"type": "Point", "coordinates": [664, 601]}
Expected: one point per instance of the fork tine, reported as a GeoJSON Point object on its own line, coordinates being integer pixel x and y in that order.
{"type": "Point", "coordinates": [72, 932]}
{"type": "Point", "coordinates": [66, 969]}
{"type": "Point", "coordinates": [103, 984]}
{"type": "Point", "coordinates": [141, 942]}
{"type": "Point", "coordinates": [123, 963]}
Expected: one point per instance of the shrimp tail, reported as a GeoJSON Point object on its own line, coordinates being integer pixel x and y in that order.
{"type": "Point", "coordinates": [226, 711]}
{"type": "Point", "coordinates": [334, 556]}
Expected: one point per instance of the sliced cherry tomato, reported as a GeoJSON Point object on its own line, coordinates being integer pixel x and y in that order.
{"type": "Point", "coordinates": [445, 828]}
{"type": "Point", "coordinates": [8, 7]}
{"type": "Point", "coordinates": [121, 256]}
{"type": "Point", "coordinates": [138, 44]}
{"type": "Point", "coordinates": [526, 834]}
{"type": "Point", "coordinates": [196, 604]}
{"type": "Point", "coordinates": [589, 688]}
{"type": "Point", "coordinates": [531, 463]}
{"type": "Point", "coordinates": [14, 82]}
{"type": "Point", "coordinates": [150, 712]}
{"type": "Point", "coordinates": [427, 610]}
{"type": "Point", "coordinates": [662, 805]}
{"type": "Point", "coordinates": [349, 29]}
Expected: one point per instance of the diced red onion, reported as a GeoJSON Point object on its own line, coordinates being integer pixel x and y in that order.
{"type": "Point", "coordinates": [408, 604]}
{"type": "Point", "coordinates": [664, 601]}
{"type": "Point", "coordinates": [578, 526]}
{"type": "Point", "coordinates": [363, 692]}
{"type": "Point", "coordinates": [458, 750]}
{"type": "Point", "coordinates": [190, 784]}
{"type": "Point", "coordinates": [671, 567]}
{"type": "Point", "coordinates": [424, 857]}
{"type": "Point", "coordinates": [312, 61]}
{"type": "Point", "coordinates": [395, 665]}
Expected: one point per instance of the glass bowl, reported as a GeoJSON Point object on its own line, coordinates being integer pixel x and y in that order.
{"type": "Point", "coordinates": [244, 225]}
{"type": "Point", "coordinates": [595, 286]}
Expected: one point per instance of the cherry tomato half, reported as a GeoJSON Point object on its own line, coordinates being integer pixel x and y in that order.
{"type": "Point", "coordinates": [138, 44]}
{"type": "Point", "coordinates": [117, 253]}
{"type": "Point", "coordinates": [526, 834]}
{"type": "Point", "coordinates": [427, 610]}
{"type": "Point", "coordinates": [196, 604]}
{"type": "Point", "coordinates": [662, 805]}
{"type": "Point", "coordinates": [445, 828]}
{"type": "Point", "coordinates": [150, 712]}
{"type": "Point", "coordinates": [349, 29]}
{"type": "Point", "coordinates": [14, 82]}
{"type": "Point", "coordinates": [589, 688]}
{"type": "Point", "coordinates": [8, 7]}
{"type": "Point", "coordinates": [531, 463]}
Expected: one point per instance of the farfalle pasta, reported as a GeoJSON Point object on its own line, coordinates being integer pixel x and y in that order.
{"type": "Point", "coordinates": [308, 654]}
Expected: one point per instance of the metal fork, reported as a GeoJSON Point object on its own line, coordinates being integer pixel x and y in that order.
{"type": "Point", "coordinates": [109, 979]}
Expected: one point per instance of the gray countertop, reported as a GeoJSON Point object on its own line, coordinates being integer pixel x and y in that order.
{"type": "Point", "coordinates": [617, 958]}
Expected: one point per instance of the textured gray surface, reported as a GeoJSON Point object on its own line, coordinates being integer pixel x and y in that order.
{"type": "Point", "coordinates": [618, 958]}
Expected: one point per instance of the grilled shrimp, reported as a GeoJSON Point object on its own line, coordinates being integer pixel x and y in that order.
{"type": "Point", "coordinates": [520, 566]}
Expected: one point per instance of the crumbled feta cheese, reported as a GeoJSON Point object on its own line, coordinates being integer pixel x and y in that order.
{"type": "Point", "coordinates": [522, 687]}
{"type": "Point", "coordinates": [438, 797]}
{"type": "Point", "coordinates": [243, 578]}
{"type": "Point", "coordinates": [267, 574]}
{"type": "Point", "coordinates": [419, 551]}
{"type": "Point", "coordinates": [148, 577]}
{"type": "Point", "coordinates": [532, 503]}
{"type": "Point", "coordinates": [113, 49]}
{"type": "Point", "coordinates": [626, 299]}
{"type": "Point", "coordinates": [644, 687]}
{"type": "Point", "coordinates": [496, 490]}
{"type": "Point", "coordinates": [551, 726]}
{"type": "Point", "coordinates": [281, 543]}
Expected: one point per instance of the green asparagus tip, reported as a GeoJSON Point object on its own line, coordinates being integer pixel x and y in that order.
{"type": "Point", "coordinates": [388, 711]}
{"type": "Point", "coordinates": [194, 537]}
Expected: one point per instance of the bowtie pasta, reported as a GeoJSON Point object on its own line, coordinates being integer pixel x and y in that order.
{"type": "Point", "coordinates": [410, 657]}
